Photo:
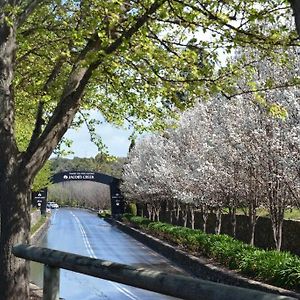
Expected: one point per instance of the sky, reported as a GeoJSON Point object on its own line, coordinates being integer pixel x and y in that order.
{"type": "Point", "coordinates": [116, 140]}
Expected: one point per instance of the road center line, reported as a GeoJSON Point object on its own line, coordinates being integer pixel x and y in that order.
{"type": "Point", "coordinates": [85, 238]}
{"type": "Point", "coordinates": [92, 254]}
{"type": "Point", "coordinates": [125, 291]}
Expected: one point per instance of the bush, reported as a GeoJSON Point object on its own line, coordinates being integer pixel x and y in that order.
{"type": "Point", "coordinates": [132, 209]}
{"type": "Point", "coordinates": [140, 221]}
{"type": "Point", "coordinates": [278, 268]}
{"type": "Point", "coordinates": [104, 214]}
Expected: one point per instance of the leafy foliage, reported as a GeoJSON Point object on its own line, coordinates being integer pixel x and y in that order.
{"type": "Point", "coordinates": [113, 167]}
{"type": "Point", "coordinates": [166, 63]}
{"type": "Point", "coordinates": [42, 179]}
{"type": "Point", "coordinates": [104, 214]}
{"type": "Point", "coordinates": [228, 152]}
{"type": "Point", "coordinates": [277, 268]}
{"type": "Point", "coordinates": [87, 194]}
{"type": "Point", "coordinates": [138, 62]}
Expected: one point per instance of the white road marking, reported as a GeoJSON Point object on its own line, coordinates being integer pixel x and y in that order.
{"type": "Point", "coordinates": [85, 238]}
{"type": "Point", "coordinates": [53, 218]}
{"type": "Point", "coordinates": [92, 254]}
{"type": "Point", "coordinates": [125, 291]}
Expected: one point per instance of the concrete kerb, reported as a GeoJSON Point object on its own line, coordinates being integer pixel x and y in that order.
{"type": "Point", "coordinates": [36, 236]}
{"type": "Point", "coordinates": [199, 267]}
{"type": "Point", "coordinates": [36, 293]}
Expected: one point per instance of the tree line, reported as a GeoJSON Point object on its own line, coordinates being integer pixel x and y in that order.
{"type": "Point", "coordinates": [242, 152]}
{"type": "Point", "coordinates": [136, 62]}
{"type": "Point", "coordinates": [85, 194]}
{"type": "Point", "coordinates": [112, 166]}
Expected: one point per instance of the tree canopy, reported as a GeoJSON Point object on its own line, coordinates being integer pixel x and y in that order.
{"type": "Point", "coordinates": [139, 61]}
{"type": "Point", "coordinates": [97, 164]}
{"type": "Point", "coordinates": [135, 73]}
{"type": "Point", "coordinates": [226, 154]}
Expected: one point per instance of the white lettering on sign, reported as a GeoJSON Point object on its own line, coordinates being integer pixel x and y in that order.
{"type": "Point", "coordinates": [75, 177]}
{"type": "Point", "coordinates": [79, 176]}
{"type": "Point", "coordinates": [88, 177]}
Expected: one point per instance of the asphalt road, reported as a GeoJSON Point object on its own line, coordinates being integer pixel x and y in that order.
{"type": "Point", "coordinates": [81, 232]}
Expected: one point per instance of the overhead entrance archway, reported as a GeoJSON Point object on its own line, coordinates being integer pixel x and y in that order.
{"type": "Point", "coordinates": [117, 200]}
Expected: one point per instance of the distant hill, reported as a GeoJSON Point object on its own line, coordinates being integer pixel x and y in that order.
{"type": "Point", "coordinates": [97, 164]}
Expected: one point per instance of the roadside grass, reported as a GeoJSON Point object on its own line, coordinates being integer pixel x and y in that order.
{"type": "Point", "coordinates": [37, 225]}
{"type": "Point", "coordinates": [290, 214]}
{"type": "Point", "coordinates": [277, 268]}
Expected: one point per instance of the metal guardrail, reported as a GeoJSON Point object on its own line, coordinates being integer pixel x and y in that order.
{"type": "Point", "coordinates": [173, 285]}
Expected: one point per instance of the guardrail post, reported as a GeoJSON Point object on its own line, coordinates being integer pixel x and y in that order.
{"type": "Point", "coordinates": [51, 283]}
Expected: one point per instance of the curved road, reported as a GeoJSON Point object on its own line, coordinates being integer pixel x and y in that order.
{"type": "Point", "coordinates": [81, 232]}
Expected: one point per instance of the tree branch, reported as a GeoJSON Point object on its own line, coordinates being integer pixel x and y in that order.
{"type": "Point", "coordinates": [238, 30]}
{"type": "Point", "coordinates": [295, 4]}
{"type": "Point", "coordinates": [28, 10]}
{"type": "Point", "coordinates": [38, 123]}
{"type": "Point", "coordinates": [66, 109]}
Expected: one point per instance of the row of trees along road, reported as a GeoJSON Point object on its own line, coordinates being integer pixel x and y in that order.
{"type": "Point", "coordinates": [84, 194]}
{"type": "Point", "coordinates": [132, 60]}
{"type": "Point", "coordinates": [227, 153]}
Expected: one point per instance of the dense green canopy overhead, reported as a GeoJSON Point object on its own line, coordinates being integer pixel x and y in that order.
{"type": "Point", "coordinates": [138, 61]}
{"type": "Point", "coordinates": [136, 73]}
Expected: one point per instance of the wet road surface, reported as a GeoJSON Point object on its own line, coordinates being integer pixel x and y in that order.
{"type": "Point", "coordinates": [81, 232]}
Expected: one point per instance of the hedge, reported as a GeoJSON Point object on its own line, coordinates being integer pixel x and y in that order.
{"type": "Point", "coordinates": [274, 267]}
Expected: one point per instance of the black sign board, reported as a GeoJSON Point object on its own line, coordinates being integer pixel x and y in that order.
{"type": "Point", "coordinates": [117, 201]}
{"type": "Point", "coordinates": [39, 199]}
{"type": "Point", "coordinates": [82, 175]}
{"type": "Point", "coordinates": [117, 204]}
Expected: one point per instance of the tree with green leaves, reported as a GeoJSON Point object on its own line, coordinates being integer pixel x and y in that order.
{"type": "Point", "coordinates": [132, 60]}
{"type": "Point", "coordinates": [42, 179]}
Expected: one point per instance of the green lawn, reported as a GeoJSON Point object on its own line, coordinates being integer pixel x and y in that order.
{"type": "Point", "coordinates": [36, 226]}
{"type": "Point", "coordinates": [290, 214]}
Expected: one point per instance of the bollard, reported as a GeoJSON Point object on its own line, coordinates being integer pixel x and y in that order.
{"type": "Point", "coordinates": [51, 283]}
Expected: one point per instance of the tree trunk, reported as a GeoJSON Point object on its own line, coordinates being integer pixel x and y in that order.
{"type": "Point", "coordinates": [157, 213]}
{"type": "Point", "coordinates": [15, 229]}
{"type": "Point", "coordinates": [295, 4]}
{"type": "Point", "coordinates": [252, 222]}
{"type": "Point", "coordinates": [192, 212]}
{"type": "Point", "coordinates": [172, 212]}
{"type": "Point", "coordinates": [185, 216]}
{"type": "Point", "coordinates": [14, 189]}
{"type": "Point", "coordinates": [277, 233]}
{"type": "Point", "coordinates": [204, 210]}
{"type": "Point", "coordinates": [205, 217]}
{"type": "Point", "coordinates": [218, 221]}
{"type": "Point", "coordinates": [277, 204]}
{"type": "Point", "coordinates": [149, 211]}
{"type": "Point", "coordinates": [177, 213]}
{"type": "Point", "coordinates": [233, 220]}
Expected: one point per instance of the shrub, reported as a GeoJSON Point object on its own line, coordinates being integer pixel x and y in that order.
{"type": "Point", "coordinates": [278, 268]}
{"type": "Point", "coordinates": [104, 214]}
{"type": "Point", "coordinates": [132, 209]}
